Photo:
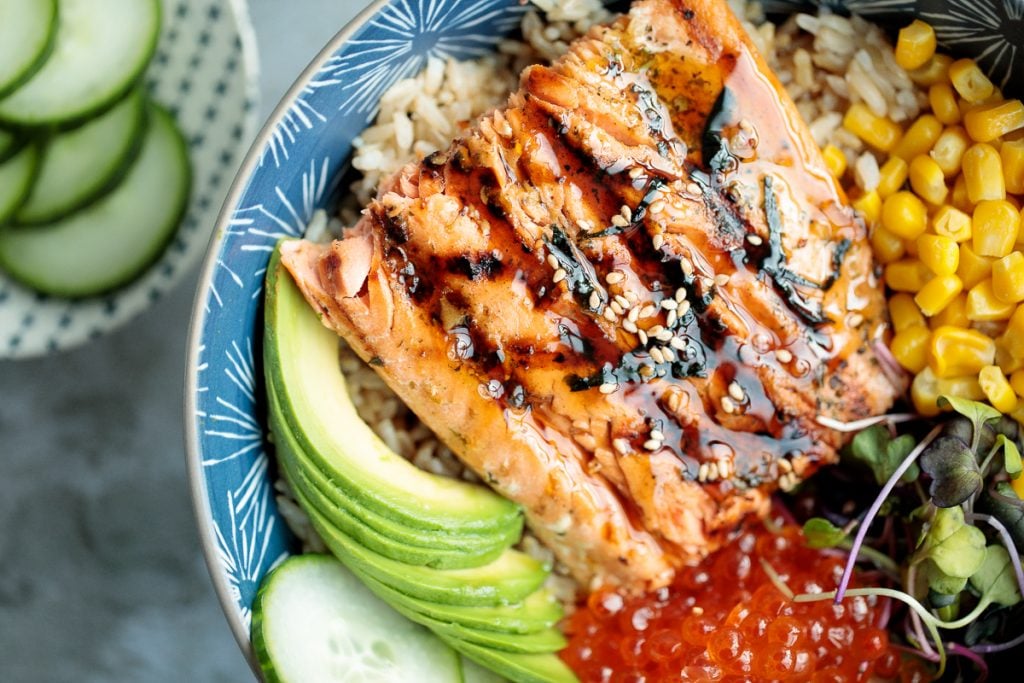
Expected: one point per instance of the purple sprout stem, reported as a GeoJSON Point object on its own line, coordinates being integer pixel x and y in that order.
{"type": "Point", "coordinates": [915, 618]}
{"type": "Point", "coordinates": [998, 647]}
{"type": "Point", "coordinates": [979, 661]}
{"type": "Point", "coordinates": [858, 541]}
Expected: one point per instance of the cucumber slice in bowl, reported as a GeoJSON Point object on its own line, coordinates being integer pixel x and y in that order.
{"type": "Point", "coordinates": [100, 50]}
{"type": "Point", "coordinates": [314, 622]}
{"type": "Point", "coordinates": [27, 29]}
{"type": "Point", "coordinates": [79, 164]}
{"type": "Point", "coordinates": [110, 242]}
{"type": "Point", "coordinates": [16, 177]}
{"type": "Point", "coordinates": [8, 144]}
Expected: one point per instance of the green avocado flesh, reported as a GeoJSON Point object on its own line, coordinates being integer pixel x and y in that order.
{"type": "Point", "coordinates": [317, 409]}
{"type": "Point", "coordinates": [522, 668]}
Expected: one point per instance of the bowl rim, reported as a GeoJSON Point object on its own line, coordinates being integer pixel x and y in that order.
{"type": "Point", "coordinates": [196, 478]}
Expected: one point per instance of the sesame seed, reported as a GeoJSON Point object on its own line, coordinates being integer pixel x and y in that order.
{"type": "Point", "coordinates": [623, 301]}
{"type": "Point", "coordinates": [658, 241]}
{"type": "Point", "coordinates": [783, 355]}
{"type": "Point", "coordinates": [581, 424]}
{"type": "Point", "coordinates": [713, 472]}
{"type": "Point", "coordinates": [658, 206]}
{"type": "Point", "coordinates": [630, 326]}
{"type": "Point", "coordinates": [724, 468]}
{"type": "Point", "coordinates": [736, 391]}
{"type": "Point", "coordinates": [618, 221]}
{"type": "Point", "coordinates": [697, 610]}
{"type": "Point", "coordinates": [671, 319]}
{"type": "Point", "coordinates": [657, 355]}
{"type": "Point", "coordinates": [721, 279]}
{"type": "Point", "coordinates": [634, 314]}
{"type": "Point", "coordinates": [702, 472]}
{"type": "Point", "coordinates": [755, 240]}
{"type": "Point", "coordinates": [609, 315]}
{"type": "Point", "coordinates": [785, 465]}
{"type": "Point", "coordinates": [608, 387]}
{"type": "Point", "coordinates": [595, 300]}
{"type": "Point", "coordinates": [683, 308]}
{"type": "Point", "coordinates": [614, 277]}
{"type": "Point", "coordinates": [648, 311]}
{"type": "Point", "coordinates": [642, 335]}
{"type": "Point", "coordinates": [559, 275]}
{"type": "Point", "coordinates": [646, 370]}
{"type": "Point", "coordinates": [652, 444]}
{"type": "Point", "coordinates": [616, 306]}
{"type": "Point", "coordinates": [621, 445]}
{"type": "Point", "coordinates": [669, 304]}
{"type": "Point", "coordinates": [552, 261]}
{"type": "Point", "coordinates": [677, 343]}
{"type": "Point", "coordinates": [664, 336]}
{"type": "Point", "coordinates": [856, 320]}
{"type": "Point", "coordinates": [673, 401]}
{"type": "Point", "coordinates": [655, 330]}
{"type": "Point", "coordinates": [631, 295]}
{"type": "Point", "coordinates": [668, 354]}
{"type": "Point", "coordinates": [728, 405]}
{"type": "Point", "coordinates": [687, 267]}
{"type": "Point", "coordinates": [707, 283]}
{"type": "Point", "coordinates": [693, 188]}
{"type": "Point", "coordinates": [626, 212]}
{"type": "Point", "coordinates": [680, 295]}
{"type": "Point", "coordinates": [585, 225]}
{"type": "Point", "coordinates": [635, 172]}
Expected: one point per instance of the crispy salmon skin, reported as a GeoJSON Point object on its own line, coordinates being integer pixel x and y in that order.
{"type": "Point", "coordinates": [624, 298]}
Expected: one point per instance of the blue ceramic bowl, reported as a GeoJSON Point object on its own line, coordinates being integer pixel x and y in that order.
{"type": "Point", "coordinates": [293, 169]}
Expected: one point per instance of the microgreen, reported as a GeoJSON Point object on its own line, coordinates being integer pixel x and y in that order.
{"type": "Point", "coordinates": [821, 533]}
{"type": "Point", "coordinates": [1011, 455]}
{"type": "Point", "coordinates": [978, 413]}
{"type": "Point", "coordinates": [878, 450]}
{"type": "Point", "coordinates": [1002, 503]}
{"type": "Point", "coordinates": [953, 469]}
{"type": "Point", "coordinates": [995, 579]}
{"type": "Point", "coordinates": [956, 548]}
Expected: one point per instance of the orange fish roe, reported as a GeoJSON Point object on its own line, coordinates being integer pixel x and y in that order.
{"type": "Point", "coordinates": [725, 621]}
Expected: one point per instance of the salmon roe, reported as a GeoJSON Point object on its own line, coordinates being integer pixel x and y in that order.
{"type": "Point", "coordinates": [725, 621]}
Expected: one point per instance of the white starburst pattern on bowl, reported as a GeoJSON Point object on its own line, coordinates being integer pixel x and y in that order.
{"type": "Point", "coordinates": [236, 423]}
{"type": "Point", "coordinates": [984, 26]}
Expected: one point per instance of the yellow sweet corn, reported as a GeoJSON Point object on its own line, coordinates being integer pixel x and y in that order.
{"type": "Point", "coordinates": [1013, 338]}
{"type": "Point", "coordinates": [877, 131]}
{"type": "Point", "coordinates": [919, 138]}
{"type": "Point", "coordinates": [926, 389]}
{"type": "Point", "coordinates": [958, 197]}
{"type": "Point", "coordinates": [1017, 382]}
{"type": "Point", "coordinates": [954, 352]}
{"type": "Point", "coordinates": [1012, 156]}
{"type": "Point", "coordinates": [990, 121]}
{"type": "Point", "coordinates": [910, 347]}
{"type": "Point", "coordinates": [903, 312]}
{"type": "Point", "coordinates": [835, 160]}
{"type": "Point", "coordinates": [907, 275]}
{"type": "Point", "coordinates": [928, 180]}
{"type": "Point", "coordinates": [952, 223]}
{"type": "Point", "coordinates": [1006, 361]}
{"type": "Point", "coordinates": [891, 176]}
{"type": "Point", "coordinates": [869, 205]}
{"type": "Point", "coordinates": [943, 103]}
{"type": "Point", "coordinates": [934, 71]}
{"type": "Point", "coordinates": [1008, 278]}
{"type": "Point", "coordinates": [970, 81]}
{"type": "Point", "coordinates": [983, 173]}
{"type": "Point", "coordinates": [905, 215]}
{"type": "Point", "coordinates": [940, 254]}
{"type": "Point", "coordinates": [973, 268]}
{"type": "Point", "coordinates": [887, 246]}
{"type": "Point", "coordinates": [955, 314]}
{"type": "Point", "coordinates": [994, 227]}
{"type": "Point", "coordinates": [982, 304]}
{"type": "Point", "coordinates": [948, 150]}
{"type": "Point", "coordinates": [915, 45]}
{"type": "Point", "coordinates": [997, 390]}
{"type": "Point", "coordinates": [937, 293]}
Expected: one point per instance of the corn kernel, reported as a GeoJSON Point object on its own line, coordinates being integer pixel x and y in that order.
{"type": "Point", "coordinates": [919, 138]}
{"type": "Point", "coordinates": [983, 173]}
{"type": "Point", "coordinates": [943, 103]}
{"type": "Point", "coordinates": [958, 197]}
{"type": "Point", "coordinates": [915, 45]}
{"type": "Point", "coordinates": [924, 392]}
{"type": "Point", "coordinates": [1008, 278]}
{"type": "Point", "coordinates": [1018, 484]}
{"type": "Point", "coordinates": [990, 121]}
{"type": "Point", "coordinates": [1006, 360]}
{"type": "Point", "coordinates": [907, 275]}
{"type": "Point", "coordinates": [994, 226]}
{"type": "Point", "coordinates": [1013, 338]}
{"type": "Point", "coordinates": [835, 160]}
{"type": "Point", "coordinates": [910, 348]}
{"type": "Point", "coordinates": [954, 352]}
{"type": "Point", "coordinates": [1012, 156]}
{"type": "Point", "coordinates": [948, 150]}
{"type": "Point", "coordinates": [886, 246]}
{"type": "Point", "coordinates": [904, 214]}
{"type": "Point", "coordinates": [903, 312]}
{"type": "Point", "coordinates": [973, 268]}
{"type": "Point", "coordinates": [911, 247]}
{"type": "Point", "coordinates": [1017, 382]}
{"type": "Point", "coordinates": [997, 390]}
{"type": "Point", "coordinates": [955, 314]}
{"type": "Point", "coordinates": [891, 176]}
{"type": "Point", "coordinates": [869, 205]}
{"type": "Point", "coordinates": [927, 179]}
{"type": "Point", "coordinates": [970, 81]}
{"type": "Point", "coordinates": [940, 254]}
{"type": "Point", "coordinates": [952, 223]}
{"type": "Point", "coordinates": [937, 293]}
{"type": "Point", "coordinates": [934, 71]}
{"type": "Point", "coordinates": [965, 387]}
{"type": "Point", "coordinates": [877, 131]}
{"type": "Point", "coordinates": [982, 304]}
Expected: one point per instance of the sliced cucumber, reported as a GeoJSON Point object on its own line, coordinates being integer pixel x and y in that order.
{"type": "Point", "coordinates": [27, 28]}
{"type": "Point", "coordinates": [520, 668]}
{"type": "Point", "coordinates": [8, 144]}
{"type": "Point", "coordinates": [114, 239]}
{"type": "Point", "coordinates": [313, 622]}
{"type": "Point", "coordinates": [100, 49]}
{"type": "Point", "coordinates": [79, 164]}
{"type": "Point", "coordinates": [299, 353]}
{"type": "Point", "coordinates": [16, 176]}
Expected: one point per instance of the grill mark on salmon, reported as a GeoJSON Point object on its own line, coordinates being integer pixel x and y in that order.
{"type": "Point", "coordinates": [623, 298]}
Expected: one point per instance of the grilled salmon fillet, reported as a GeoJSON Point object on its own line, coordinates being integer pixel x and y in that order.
{"type": "Point", "coordinates": [624, 298]}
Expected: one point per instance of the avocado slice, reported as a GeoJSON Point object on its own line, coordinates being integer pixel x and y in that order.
{"type": "Point", "coordinates": [299, 353]}
{"type": "Point", "coordinates": [508, 579]}
{"type": "Point", "coordinates": [540, 610]}
{"type": "Point", "coordinates": [517, 667]}
{"type": "Point", "coordinates": [391, 539]}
